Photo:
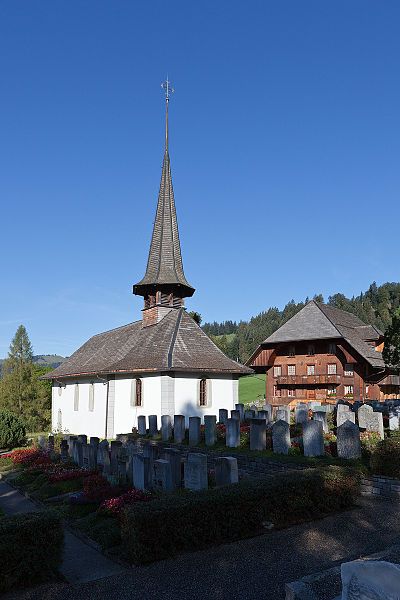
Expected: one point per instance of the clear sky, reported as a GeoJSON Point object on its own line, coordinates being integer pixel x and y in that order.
{"type": "Point", "coordinates": [284, 142]}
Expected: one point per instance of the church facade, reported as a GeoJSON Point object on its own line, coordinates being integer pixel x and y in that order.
{"type": "Point", "coordinates": [163, 364]}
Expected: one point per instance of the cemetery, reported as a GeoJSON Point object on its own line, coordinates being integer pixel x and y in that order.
{"type": "Point", "coordinates": [181, 485]}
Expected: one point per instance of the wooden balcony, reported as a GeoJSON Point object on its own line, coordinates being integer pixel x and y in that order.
{"type": "Point", "coordinates": [308, 380]}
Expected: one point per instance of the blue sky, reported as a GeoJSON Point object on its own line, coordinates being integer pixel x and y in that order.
{"type": "Point", "coordinates": [284, 142]}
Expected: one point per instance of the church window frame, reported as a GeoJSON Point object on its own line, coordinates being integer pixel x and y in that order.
{"type": "Point", "coordinates": [136, 400]}
{"type": "Point", "coordinates": [203, 392]}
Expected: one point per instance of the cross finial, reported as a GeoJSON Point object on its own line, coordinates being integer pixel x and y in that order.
{"type": "Point", "coordinates": [168, 89]}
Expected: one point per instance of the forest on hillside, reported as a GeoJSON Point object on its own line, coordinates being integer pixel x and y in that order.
{"type": "Point", "coordinates": [239, 340]}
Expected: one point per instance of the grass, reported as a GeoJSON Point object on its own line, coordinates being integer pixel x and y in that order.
{"type": "Point", "coordinates": [251, 388]}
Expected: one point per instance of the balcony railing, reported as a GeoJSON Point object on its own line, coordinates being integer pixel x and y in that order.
{"type": "Point", "coordinates": [308, 379]}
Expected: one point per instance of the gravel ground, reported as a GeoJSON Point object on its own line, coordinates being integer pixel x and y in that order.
{"type": "Point", "coordinates": [253, 568]}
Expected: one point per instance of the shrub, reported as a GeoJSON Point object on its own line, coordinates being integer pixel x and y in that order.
{"type": "Point", "coordinates": [12, 430]}
{"type": "Point", "coordinates": [30, 548]}
{"type": "Point", "coordinates": [369, 441]}
{"type": "Point", "coordinates": [385, 458]}
{"type": "Point", "coordinates": [170, 524]}
{"type": "Point", "coordinates": [114, 506]}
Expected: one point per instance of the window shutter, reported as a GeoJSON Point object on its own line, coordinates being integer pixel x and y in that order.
{"type": "Point", "coordinates": [91, 397]}
{"type": "Point", "coordinates": [209, 393]}
{"type": "Point", "coordinates": [76, 397]}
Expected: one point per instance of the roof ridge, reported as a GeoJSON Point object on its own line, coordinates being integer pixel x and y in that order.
{"type": "Point", "coordinates": [329, 319]}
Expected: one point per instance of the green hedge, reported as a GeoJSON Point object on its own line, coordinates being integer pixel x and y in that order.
{"type": "Point", "coordinates": [30, 548]}
{"type": "Point", "coordinates": [163, 527]}
{"type": "Point", "coordinates": [385, 459]}
{"type": "Point", "coordinates": [12, 430]}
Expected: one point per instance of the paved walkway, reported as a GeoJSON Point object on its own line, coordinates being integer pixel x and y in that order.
{"type": "Point", "coordinates": [81, 563]}
{"type": "Point", "coordinates": [248, 569]}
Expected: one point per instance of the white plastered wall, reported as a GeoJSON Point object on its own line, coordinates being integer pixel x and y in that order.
{"type": "Point", "coordinates": [125, 415]}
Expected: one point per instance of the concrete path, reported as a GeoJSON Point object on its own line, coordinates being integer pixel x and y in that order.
{"type": "Point", "coordinates": [81, 563]}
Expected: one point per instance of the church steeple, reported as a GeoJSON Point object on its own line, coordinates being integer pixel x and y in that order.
{"type": "Point", "coordinates": [164, 283]}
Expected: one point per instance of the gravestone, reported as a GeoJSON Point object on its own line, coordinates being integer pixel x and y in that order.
{"type": "Point", "coordinates": [370, 580]}
{"type": "Point", "coordinates": [249, 414]}
{"type": "Point", "coordinates": [151, 451]}
{"type": "Point", "coordinates": [103, 447]}
{"type": "Point", "coordinates": [348, 440]}
{"type": "Point", "coordinates": [393, 421]}
{"type": "Point", "coordinates": [223, 416]}
{"type": "Point", "coordinates": [82, 438]}
{"type": "Point", "coordinates": [313, 439]}
{"type": "Point", "coordinates": [142, 475]}
{"type": "Point", "coordinates": [71, 441]}
{"type": "Point", "coordinates": [115, 451]}
{"type": "Point", "coordinates": [362, 414]}
{"type": "Point", "coordinates": [233, 433]}
{"type": "Point", "coordinates": [240, 409]}
{"type": "Point", "coordinates": [122, 469]}
{"type": "Point", "coordinates": [343, 416]}
{"type": "Point", "coordinates": [166, 428]}
{"type": "Point", "coordinates": [142, 425]}
{"type": "Point", "coordinates": [195, 469]}
{"type": "Point", "coordinates": [281, 437]}
{"type": "Point", "coordinates": [153, 426]}
{"type": "Point", "coordinates": [374, 422]}
{"type": "Point", "coordinates": [179, 429]}
{"type": "Point", "coordinates": [174, 457]}
{"type": "Point", "coordinates": [210, 431]}
{"type": "Point", "coordinates": [194, 431]}
{"type": "Point", "coordinates": [50, 443]}
{"type": "Point", "coordinates": [283, 413]}
{"type": "Point", "coordinates": [235, 414]}
{"type": "Point", "coordinates": [41, 442]}
{"type": "Point", "coordinates": [78, 454]}
{"type": "Point", "coordinates": [162, 476]}
{"type": "Point", "coordinates": [64, 451]}
{"type": "Point", "coordinates": [105, 460]}
{"type": "Point", "coordinates": [263, 415]}
{"type": "Point", "coordinates": [301, 414]}
{"type": "Point", "coordinates": [268, 409]}
{"type": "Point", "coordinates": [258, 435]}
{"type": "Point", "coordinates": [94, 443]}
{"type": "Point", "coordinates": [320, 415]}
{"type": "Point", "coordinates": [226, 471]}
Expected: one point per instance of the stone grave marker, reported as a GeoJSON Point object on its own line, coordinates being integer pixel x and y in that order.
{"type": "Point", "coordinates": [348, 441]}
{"type": "Point", "coordinates": [233, 433]}
{"type": "Point", "coordinates": [195, 469]}
{"type": "Point", "coordinates": [210, 429]}
{"type": "Point", "coordinates": [223, 416]}
{"type": "Point", "coordinates": [374, 422]}
{"type": "Point", "coordinates": [179, 429]}
{"type": "Point", "coordinates": [226, 471]}
{"type": "Point", "coordinates": [313, 439]}
{"type": "Point", "coordinates": [174, 457]}
{"type": "Point", "coordinates": [64, 451]}
{"type": "Point", "coordinates": [249, 414]}
{"type": "Point", "coordinates": [370, 580]}
{"type": "Point", "coordinates": [393, 421]}
{"type": "Point", "coordinates": [166, 428]}
{"type": "Point", "coordinates": [322, 416]}
{"type": "Point", "coordinates": [78, 453]}
{"type": "Point", "coordinates": [194, 431]}
{"type": "Point", "coordinates": [142, 475]}
{"type": "Point", "coordinates": [151, 451]}
{"type": "Point", "coordinates": [142, 425]}
{"type": "Point", "coordinates": [122, 469]}
{"type": "Point", "coordinates": [264, 415]}
{"type": "Point", "coordinates": [115, 452]}
{"type": "Point", "coordinates": [283, 413]}
{"type": "Point", "coordinates": [50, 443]}
{"type": "Point", "coordinates": [82, 438]}
{"type": "Point", "coordinates": [362, 414]}
{"type": "Point", "coordinates": [162, 476]}
{"type": "Point", "coordinates": [106, 460]}
{"type": "Point", "coordinates": [268, 408]}
{"type": "Point", "coordinates": [281, 437]}
{"type": "Point", "coordinates": [258, 435]}
{"type": "Point", "coordinates": [240, 409]}
{"type": "Point", "coordinates": [301, 414]}
{"type": "Point", "coordinates": [343, 416]}
{"type": "Point", "coordinates": [235, 414]}
{"type": "Point", "coordinates": [71, 441]}
{"type": "Point", "coordinates": [153, 426]}
{"type": "Point", "coordinates": [41, 442]}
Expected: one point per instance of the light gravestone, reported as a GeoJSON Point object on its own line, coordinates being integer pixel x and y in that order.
{"type": "Point", "coordinates": [313, 439]}
{"type": "Point", "coordinates": [240, 409]}
{"type": "Point", "coordinates": [301, 414]}
{"type": "Point", "coordinates": [179, 429]}
{"type": "Point", "coordinates": [320, 415]}
{"type": "Point", "coordinates": [393, 421]}
{"type": "Point", "coordinates": [362, 414]}
{"type": "Point", "coordinates": [374, 422]}
{"type": "Point", "coordinates": [281, 437]}
{"type": "Point", "coordinates": [370, 580]}
{"type": "Point", "coordinates": [142, 425]}
{"type": "Point", "coordinates": [153, 426]}
{"type": "Point", "coordinates": [223, 416]}
{"type": "Point", "coordinates": [233, 433]}
{"type": "Point", "coordinates": [166, 428]}
{"type": "Point", "coordinates": [196, 477]}
{"type": "Point", "coordinates": [268, 409]}
{"type": "Point", "coordinates": [42, 442]}
{"type": "Point", "coordinates": [343, 416]}
{"type": "Point", "coordinates": [226, 471]}
{"type": "Point", "coordinates": [173, 456]}
{"type": "Point", "coordinates": [258, 435]}
{"type": "Point", "coordinates": [283, 414]}
{"type": "Point", "coordinates": [210, 429]}
{"type": "Point", "coordinates": [348, 441]}
{"type": "Point", "coordinates": [194, 431]}
{"type": "Point", "coordinates": [142, 476]}
{"type": "Point", "coordinates": [162, 476]}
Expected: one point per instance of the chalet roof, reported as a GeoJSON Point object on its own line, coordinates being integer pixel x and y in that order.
{"type": "Point", "coordinates": [174, 344]}
{"type": "Point", "coordinates": [320, 321]}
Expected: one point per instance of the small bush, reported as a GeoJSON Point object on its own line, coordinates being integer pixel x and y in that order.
{"type": "Point", "coordinates": [385, 458]}
{"type": "Point", "coordinates": [30, 548]}
{"type": "Point", "coordinates": [12, 430]}
{"type": "Point", "coordinates": [161, 528]}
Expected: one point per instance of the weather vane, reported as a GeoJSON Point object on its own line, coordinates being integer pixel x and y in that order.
{"type": "Point", "coordinates": [168, 89]}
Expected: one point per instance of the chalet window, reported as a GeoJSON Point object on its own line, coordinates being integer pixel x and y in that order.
{"type": "Point", "coordinates": [291, 369]}
{"type": "Point", "coordinates": [136, 392]}
{"type": "Point", "coordinates": [277, 391]}
{"type": "Point", "coordinates": [60, 390]}
{"type": "Point", "coordinates": [332, 369]}
{"type": "Point", "coordinates": [367, 391]}
{"type": "Point", "coordinates": [291, 392]}
{"type": "Point", "coordinates": [332, 348]}
{"type": "Point", "coordinates": [277, 371]}
{"type": "Point", "coordinates": [310, 369]}
{"type": "Point", "coordinates": [348, 390]}
{"type": "Point", "coordinates": [292, 351]}
{"type": "Point", "coordinates": [91, 397]}
{"type": "Point", "coordinates": [203, 392]}
{"type": "Point", "coordinates": [331, 390]}
{"type": "Point", "coordinates": [76, 397]}
{"type": "Point", "coordinates": [348, 370]}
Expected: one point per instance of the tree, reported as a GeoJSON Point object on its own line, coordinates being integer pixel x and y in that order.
{"type": "Point", "coordinates": [391, 350]}
{"type": "Point", "coordinates": [195, 316]}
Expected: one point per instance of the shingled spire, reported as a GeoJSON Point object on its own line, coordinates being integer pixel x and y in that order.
{"type": "Point", "coordinates": [164, 283]}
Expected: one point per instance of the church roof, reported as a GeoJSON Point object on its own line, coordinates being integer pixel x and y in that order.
{"type": "Point", "coordinates": [321, 321]}
{"type": "Point", "coordinates": [174, 344]}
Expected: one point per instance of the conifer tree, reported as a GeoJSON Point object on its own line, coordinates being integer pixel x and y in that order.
{"type": "Point", "coordinates": [391, 350]}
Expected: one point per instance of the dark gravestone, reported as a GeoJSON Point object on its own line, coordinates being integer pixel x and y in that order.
{"type": "Point", "coordinates": [210, 429]}
{"type": "Point", "coordinates": [166, 428]}
{"type": "Point", "coordinates": [142, 425]}
{"type": "Point", "coordinates": [233, 433]}
{"type": "Point", "coordinates": [240, 409]}
{"type": "Point", "coordinates": [348, 441]}
{"type": "Point", "coordinates": [162, 476]}
{"type": "Point", "coordinates": [194, 431]}
{"type": "Point", "coordinates": [313, 439]}
{"type": "Point", "coordinates": [174, 457]}
{"type": "Point", "coordinates": [196, 477]}
{"type": "Point", "coordinates": [258, 435]}
{"type": "Point", "coordinates": [281, 437]}
{"type": "Point", "coordinates": [153, 426]}
{"type": "Point", "coordinates": [223, 416]}
{"type": "Point", "coordinates": [226, 471]}
{"type": "Point", "coordinates": [179, 429]}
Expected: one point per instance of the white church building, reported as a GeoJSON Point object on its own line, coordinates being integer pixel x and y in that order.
{"type": "Point", "coordinates": [163, 364]}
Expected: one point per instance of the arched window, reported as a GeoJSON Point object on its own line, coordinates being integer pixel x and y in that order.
{"type": "Point", "coordinates": [91, 396]}
{"type": "Point", "coordinates": [138, 393]}
{"type": "Point", "coordinates": [76, 397]}
{"type": "Point", "coordinates": [203, 392]}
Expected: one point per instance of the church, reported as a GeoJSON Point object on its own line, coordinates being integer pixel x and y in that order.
{"type": "Point", "coordinates": [163, 364]}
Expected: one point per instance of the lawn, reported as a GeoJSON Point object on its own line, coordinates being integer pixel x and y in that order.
{"type": "Point", "coordinates": [251, 388]}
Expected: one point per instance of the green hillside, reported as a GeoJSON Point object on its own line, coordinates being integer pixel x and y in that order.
{"type": "Point", "coordinates": [251, 388]}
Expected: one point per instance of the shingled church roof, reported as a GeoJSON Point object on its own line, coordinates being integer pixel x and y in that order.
{"type": "Point", "coordinates": [175, 344]}
{"type": "Point", "coordinates": [320, 321]}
